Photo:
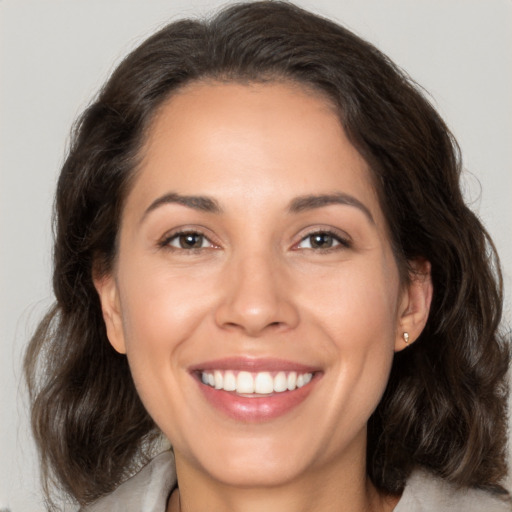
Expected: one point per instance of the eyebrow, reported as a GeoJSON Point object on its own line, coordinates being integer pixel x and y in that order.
{"type": "Point", "coordinates": [297, 205]}
{"type": "Point", "coordinates": [310, 202]}
{"type": "Point", "coordinates": [201, 203]}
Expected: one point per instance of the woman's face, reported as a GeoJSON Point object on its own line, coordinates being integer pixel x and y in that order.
{"type": "Point", "coordinates": [255, 292]}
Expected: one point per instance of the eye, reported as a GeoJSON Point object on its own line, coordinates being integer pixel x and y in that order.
{"type": "Point", "coordinates": [187, 240]}
{"type": "Point", "coordinates": [322, 240]}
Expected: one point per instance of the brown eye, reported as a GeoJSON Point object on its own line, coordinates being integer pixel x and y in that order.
{"type": "Point", "coordinates": [322, 240]}
{"type": "Point", "coordinates": [189, 240]}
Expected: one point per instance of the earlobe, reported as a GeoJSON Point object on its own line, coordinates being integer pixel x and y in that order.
{"type": "Point", "coordinates": [106, 287]}
{"type": "Point", "coordinates": [415, 304]}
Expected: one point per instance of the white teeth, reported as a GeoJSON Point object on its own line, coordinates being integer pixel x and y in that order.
{"type": "Point", "coordinates": [219, 379]}
{"type": "Point", "coordinates": [292, 381]}
{"type": "Point", "coordinates": [280, 382]}
{"type": "Point", "coordinates": [229, 381]}
{"type": "Point", "coordinates": [244, 383]}
{"type": "Point", "coordinates": [261, 383]}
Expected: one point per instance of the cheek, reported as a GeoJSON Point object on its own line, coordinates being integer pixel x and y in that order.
{"type": "Point", "coordinates": [355, 313]}
{"type": "Point", "coordinates": [356, 303]}
{"type": "Point", "coordinates": [160, 312]}
{"type": "Point", "coordinates": [159, 306]}
{"type": "Point", "coordinates": [159, 315]}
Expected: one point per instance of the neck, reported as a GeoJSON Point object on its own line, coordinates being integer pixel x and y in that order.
{"type": "Point", "coordinates": [328, 489]}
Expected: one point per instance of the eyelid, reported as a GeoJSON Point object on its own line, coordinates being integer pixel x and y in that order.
{"type": "Point", "coordinates": [343, 238]}
{"type": "Point", "coordinates": [164, 240]}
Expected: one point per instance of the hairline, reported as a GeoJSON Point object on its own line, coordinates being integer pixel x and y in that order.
{"type": "Point", "coordinates": [246, 79]}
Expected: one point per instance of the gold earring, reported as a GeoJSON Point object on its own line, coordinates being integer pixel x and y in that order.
{"type": "Point", "coordinates": [406, 337]}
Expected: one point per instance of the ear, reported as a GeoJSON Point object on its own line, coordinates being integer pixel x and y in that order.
{"type": "Point", "coordinates": [415, 304]}
{"type": "Point", "coordinates": [106, 287]}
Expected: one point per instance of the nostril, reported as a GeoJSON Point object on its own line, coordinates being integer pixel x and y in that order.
{"type": "Point", "coordinates": [254, 311]}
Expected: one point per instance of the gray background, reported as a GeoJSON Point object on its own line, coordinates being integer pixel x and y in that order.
{"type": "Point", "coordinates": [56, 53]}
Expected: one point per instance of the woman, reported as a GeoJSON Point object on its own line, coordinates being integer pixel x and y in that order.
{"type": "Point", "coordinates": [263, 254]}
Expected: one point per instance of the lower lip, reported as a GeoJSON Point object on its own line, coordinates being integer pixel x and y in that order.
{"type": "Point", "coordinates": [256, 409]}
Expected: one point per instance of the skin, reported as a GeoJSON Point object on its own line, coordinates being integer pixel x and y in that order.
{"type": "Point", "coordinates": [256, 288]}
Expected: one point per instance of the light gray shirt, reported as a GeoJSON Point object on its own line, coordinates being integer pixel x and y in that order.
{"type": "Point", "coordinates": [149, 489]}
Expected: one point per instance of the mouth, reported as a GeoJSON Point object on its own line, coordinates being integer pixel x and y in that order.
{"type": "Point", "coordinates": [255, 390]}
{"type": "Point", "coordinates": [259, 383]}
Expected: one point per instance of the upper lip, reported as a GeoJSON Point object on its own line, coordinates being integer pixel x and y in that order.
{"type": "Point", "coordinates": [251, 364]}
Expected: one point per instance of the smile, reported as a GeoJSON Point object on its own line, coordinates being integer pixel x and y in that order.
{"type": "Point", "coordinates": [259, 383]}
{"type": "Point", "coordinates": [255, 390]}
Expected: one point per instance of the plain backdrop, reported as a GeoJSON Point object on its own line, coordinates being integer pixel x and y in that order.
{"type": "Point", "coordinates": [56, 53]}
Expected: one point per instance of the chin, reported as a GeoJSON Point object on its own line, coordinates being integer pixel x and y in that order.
{"type": "Point", "coordinates": [255, 472]}
{"type": "Point", "coordinates": [251, 459]}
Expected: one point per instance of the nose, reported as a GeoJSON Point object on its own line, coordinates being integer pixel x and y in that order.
{"type": "Point", "coordinates": [256, 297]}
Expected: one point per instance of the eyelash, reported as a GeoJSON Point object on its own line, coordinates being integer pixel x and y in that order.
{"type": "Point", "coordinates": [165, 243]}
{"type": "Point", "coordinates": [340, 241]}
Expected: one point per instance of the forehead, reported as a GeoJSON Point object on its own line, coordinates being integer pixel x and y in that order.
{"type": "Point", "coordinates": [262, 139]}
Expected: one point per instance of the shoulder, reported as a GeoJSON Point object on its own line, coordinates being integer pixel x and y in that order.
{"type": "Point", "coordinates": [425, 492]}
{"type": "Point", "coordinates": [147, 490]}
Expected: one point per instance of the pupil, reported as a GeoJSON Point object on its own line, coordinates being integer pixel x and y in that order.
{"type": "Point", "coordinates": [321, 241]}
{"type": "Point", "coordinates": [191, 241]}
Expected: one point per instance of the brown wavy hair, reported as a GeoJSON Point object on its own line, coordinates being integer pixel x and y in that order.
{"type": "Point", "coordinates": [445, 405]}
